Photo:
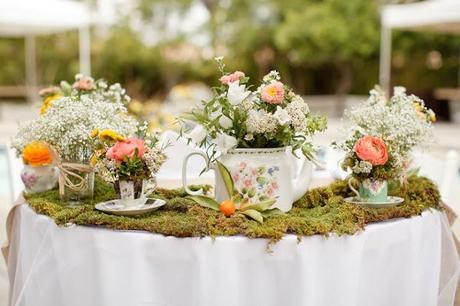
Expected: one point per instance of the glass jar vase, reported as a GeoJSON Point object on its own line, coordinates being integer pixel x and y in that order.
{"type": "Point", "coordinates": [76, 183]}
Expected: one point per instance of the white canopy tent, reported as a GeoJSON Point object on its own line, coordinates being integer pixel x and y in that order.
{"type": "Point", "coordinates": [29, 18]}
{"type": "Point", "coordinates": [432, 15]}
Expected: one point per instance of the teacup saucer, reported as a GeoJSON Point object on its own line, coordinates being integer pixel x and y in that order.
{"type": "Point", "coordinates": [116, 207]}
{"type": "Point", "coordinates": [390, 202]}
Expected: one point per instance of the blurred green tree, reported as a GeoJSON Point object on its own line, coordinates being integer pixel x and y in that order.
{"type": "Point", "coordinates": [335, 33]}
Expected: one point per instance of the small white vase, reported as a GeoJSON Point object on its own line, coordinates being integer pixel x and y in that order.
{"type": "Point", "coordinates": [259, 174]}
{"type": "Point", "coordinates": [39, 179]}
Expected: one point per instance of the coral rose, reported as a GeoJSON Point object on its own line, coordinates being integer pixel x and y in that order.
{"type": "Point", "coordinates": [37, 154]}
{"type": "Point", "coordinates": [372, 149]}
{"type": "Point", "coordinates": [126, 148]}
{"type": "Point", "coordinates": [273, 93]}
{"type": "Point", "coordinates": [233, 77]}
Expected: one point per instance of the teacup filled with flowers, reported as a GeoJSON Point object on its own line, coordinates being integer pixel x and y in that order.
{"type": "Point", "coordinates": [252, 134]}
{"type": "Point", "coordinates": [129, 163]}
{"type": "Point", "coordinates": [39, 173]}
{"type": "Point", "coordinates": [381, 135]}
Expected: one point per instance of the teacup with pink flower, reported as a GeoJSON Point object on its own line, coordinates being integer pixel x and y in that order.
{"type": "Point", "coordinates": [130, 164]}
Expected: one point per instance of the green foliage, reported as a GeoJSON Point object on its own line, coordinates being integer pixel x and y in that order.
{"type": "Point", "coordinates": [133, 168]}
{"type": "Point", "coordinates": [227, 178]}
{"type": "Point", "coordinates": [320, 211]}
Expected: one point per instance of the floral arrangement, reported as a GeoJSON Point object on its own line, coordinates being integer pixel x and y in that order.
{"type": "Point", "coordinates": [71, 112]}
{"type": "Point", "coordinates": [382, 133]}
{"type": "Point", "coordinates": [133, 158]}
{"type": "Point", "coordinates": [37, 154]}
{"type": "Point", "coordinates": [270, 116]}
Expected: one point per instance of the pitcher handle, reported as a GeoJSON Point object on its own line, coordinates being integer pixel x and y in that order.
{"type": "Point", "coordinates": [350, 185]}
{"type": "Point", "coordinates": [184, 172]}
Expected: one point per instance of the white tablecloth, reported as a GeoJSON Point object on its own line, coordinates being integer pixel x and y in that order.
{"type": "Point", "coordinates": [403, 262]}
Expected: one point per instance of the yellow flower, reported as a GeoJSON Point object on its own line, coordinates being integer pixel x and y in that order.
{"type": "Point", "coordinates": [433, 117]}
{"type": "Point", "coordinates": [48, 102]}
{"type": "Point", "coordinates": [94, 133]}
{"type": "Point", "coordinates": [110, 135]}
{"type": "Point", "coordinates": [417, 106]}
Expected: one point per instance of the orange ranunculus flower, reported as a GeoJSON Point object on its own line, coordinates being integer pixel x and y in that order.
{"type": "Point", "coordinates": [37, 154]}
{"type": "Point", "coordinates": [372, 149]}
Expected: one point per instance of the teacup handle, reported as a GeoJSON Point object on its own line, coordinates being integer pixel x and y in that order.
{"type": "Point", "coordinates": [150, 187]}
{"type": "Point", "coordinates": [351, 186]}
{"type": "Point", "coordinates": [184, 172]}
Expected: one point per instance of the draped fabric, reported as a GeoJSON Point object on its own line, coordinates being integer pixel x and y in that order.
{"type": "Point", "coordinates": [401, 262]}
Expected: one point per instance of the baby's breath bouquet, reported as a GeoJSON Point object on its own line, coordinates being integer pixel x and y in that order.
{"type": "Point", "coordinates": [71, 112]}
{"type": "Point", "coordinates": [270, 116]}
{"type": "Point", "coordinates": [383, 131]}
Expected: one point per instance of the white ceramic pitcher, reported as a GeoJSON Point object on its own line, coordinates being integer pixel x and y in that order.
{"type": "Point", "coordinates": [259, 173]}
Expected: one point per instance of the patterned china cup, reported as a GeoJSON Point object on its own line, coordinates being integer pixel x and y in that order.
{"type": "Point", "coordinates": [134, 193]}
{"type": "Point", "coordinates": [370, 190]}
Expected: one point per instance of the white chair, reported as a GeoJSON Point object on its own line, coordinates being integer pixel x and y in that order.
{"type": "Point", "coordinates": [15, 166]}
{"type": "Point", "coordinates": [444, 172]}
{"type": "Point", "coordinates": [170, 174]}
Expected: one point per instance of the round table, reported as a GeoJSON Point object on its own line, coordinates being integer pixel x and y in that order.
{"type": "Point", "coordinates": [401, 262]}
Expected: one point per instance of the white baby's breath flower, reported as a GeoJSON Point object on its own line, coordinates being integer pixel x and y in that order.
{"type": "Point", "coordinates": [197, 134]}
{"type": "Point", "coordinates": [259, 121]}
{"type": "Point", "coordinates": [236, 93]}
{"type": "Point", "coordinates": [362, 166]}
{"type": "Point", "coordinates": [271, 76]}
{"type": "Point", "coordinates": [248, 137]}
{"type": "Point", "coordinates": [225, 122]}
{"type": "Point", "coordinates": [225, 142]}
{"type": "Point", "coordinates": [282, 116]}
{"type": "Point", "coordinates": [298, 110]}
{"type": "Point", "coordinates": [399, 90]}
{"type": "Point", "coordinates": [68, 122]}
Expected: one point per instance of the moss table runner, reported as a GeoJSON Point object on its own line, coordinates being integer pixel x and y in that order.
{"type": "Point", "coordinates": [320, 211]}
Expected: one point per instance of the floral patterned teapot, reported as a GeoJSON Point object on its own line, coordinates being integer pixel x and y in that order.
{"type": "Point", "coordinates": [259, 174]}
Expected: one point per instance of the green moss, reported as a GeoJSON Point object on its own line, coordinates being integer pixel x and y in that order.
{"type": "Point", "coordinates": [319, 211]}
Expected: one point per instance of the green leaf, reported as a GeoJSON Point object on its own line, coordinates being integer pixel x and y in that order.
{"type": "Point", "coordinates": [254, 214]}
{"type": "Point", "coordinates": [227, 178]}
{"type": "Point", "coordinates": [260, 206]}
{"type": "Point", "coordinates": [205, 202]}
{"type": "Point", "coordinates": [272, 212]}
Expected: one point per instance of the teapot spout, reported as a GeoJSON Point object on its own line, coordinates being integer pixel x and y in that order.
{"type": "Point", "coordinates": [302, 180]}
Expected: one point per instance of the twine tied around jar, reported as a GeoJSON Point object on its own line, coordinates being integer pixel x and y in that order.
{"type": "Point", "coordinates": [68, 174]}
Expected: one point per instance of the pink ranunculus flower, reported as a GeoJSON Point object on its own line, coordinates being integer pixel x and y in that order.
{"type": "Point", "coordinates": [372, 149]}
{"type": "Point", "coordinates": [126, 148]}
{"type": "Point", "coordinates": [84, 83]}
{"type": "Point", "coordinates": [273, 93]}
{"type": "Point", "coordinates": [233, 77]}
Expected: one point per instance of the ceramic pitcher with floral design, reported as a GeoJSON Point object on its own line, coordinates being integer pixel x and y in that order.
{"type": "Point", "coordinates": [259, 174]}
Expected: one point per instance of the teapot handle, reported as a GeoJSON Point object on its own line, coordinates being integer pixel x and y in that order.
{"type": "Point", "coordinates": [184, 172]}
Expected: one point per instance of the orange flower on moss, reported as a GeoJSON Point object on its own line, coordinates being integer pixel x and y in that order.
{"type": "Point", "coordinates": [37, 154]}
{"type": "Point", "coordinates": [48, 102]}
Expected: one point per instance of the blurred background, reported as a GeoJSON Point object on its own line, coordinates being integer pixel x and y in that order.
{"type": "Point", "coordinates": [162, 51]}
